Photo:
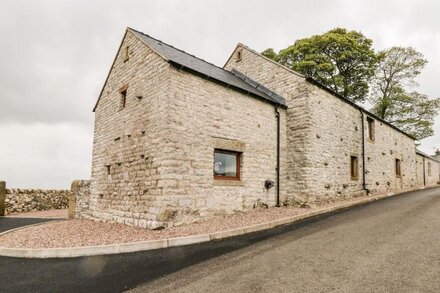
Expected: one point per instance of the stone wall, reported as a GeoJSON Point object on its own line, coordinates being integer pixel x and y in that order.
{"type": "Point", "coordinates": [208, 116]}
{"type": "Point", "coordinates": [153, 156]}
{"type": "Point", "coordinates": [2, 198]}
{"type": "Point", "coordinates": [381, 155]}
{"type": "Point", "coordinates": [323, 132]}
{"type": "Point", "coordinates": [427, 171]}
{"type": "Point", "coordinates": [153, 159]}
{"type": "Point", "coordinates": [26, 200]}
{"type": "Point", "coordinates": [79, 201]}
{"type": "Point", "coordinates": [130, 142]}
{"type": "Point", "coordinates": [291, 86]}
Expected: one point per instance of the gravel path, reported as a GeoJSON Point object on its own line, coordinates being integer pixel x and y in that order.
{"type": "Point", "coordinates": [81, 232]}
{"type": "Point", "coordinates": [59, 214]}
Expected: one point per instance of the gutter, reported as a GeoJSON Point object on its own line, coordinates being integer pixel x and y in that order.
{"type": "Point", "coordinates": [277, 115]}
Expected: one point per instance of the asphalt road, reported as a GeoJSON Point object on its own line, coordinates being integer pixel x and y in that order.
{"type": "Point", "coordinates": [389, 246]}
{"type": "Point", "coordinates": [7, 223]}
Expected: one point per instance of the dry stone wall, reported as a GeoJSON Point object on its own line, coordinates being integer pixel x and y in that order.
{"type": "Point", "coordinates": [79, 204]}
{"type": "Point", "coordinates": [26, 200]}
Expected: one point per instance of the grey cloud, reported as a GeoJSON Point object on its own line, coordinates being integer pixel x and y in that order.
{"type": "Point", "coordinates": [55, 56]}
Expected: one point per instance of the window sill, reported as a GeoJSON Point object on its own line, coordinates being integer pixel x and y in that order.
{"type": "Point", "coordinates": [219, 182]}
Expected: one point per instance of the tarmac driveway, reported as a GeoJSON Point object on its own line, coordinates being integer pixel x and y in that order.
{"type": "Point", "coordinates": [8, 223]}
{"type": "Point", "coordinates": [387, 246]}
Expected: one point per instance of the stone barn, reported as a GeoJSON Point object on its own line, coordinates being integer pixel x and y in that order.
{"type": "Point", "coordinates": [179, 139]}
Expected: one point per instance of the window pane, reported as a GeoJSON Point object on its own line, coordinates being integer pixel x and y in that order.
{"type": "Point", "coordinates": [225, 164]}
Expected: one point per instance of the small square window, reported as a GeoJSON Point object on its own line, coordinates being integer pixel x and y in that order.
{"type": "Point", "coordinates": [354, 168]}
{"type": "Point", "coordinates": [371, 130]}
{"type": "Point", "coordinates": [226, 165]}
{"type": "Point", "coordinates": [398, 168]}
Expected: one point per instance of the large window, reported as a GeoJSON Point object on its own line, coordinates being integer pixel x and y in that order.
{"type": "Point", "coordinates": [354, 168]}
{"type": "Point", "coordinates": [398, 168]}
{"type": "Point", "coordinates": [429, 169]}
{"type": "Point", "coordinates": [226, 165]}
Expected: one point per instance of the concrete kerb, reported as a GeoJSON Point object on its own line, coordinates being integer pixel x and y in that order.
{"type": "Point", "coordinates": [179, 241]}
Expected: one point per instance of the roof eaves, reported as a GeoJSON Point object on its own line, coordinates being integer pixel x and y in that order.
{"type": "Point", "coordinates": [332, 92]}
{"type": "Point", "coordinates": [274, 96]}
{"type": "Point", "coordinates": [231, 86]}
{"type": "Point", "coordinates": [426, 155]}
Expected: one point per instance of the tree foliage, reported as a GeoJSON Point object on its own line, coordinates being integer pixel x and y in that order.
{"type": "Point", "coordinates": [269, 53]}
{"type": "Point", "coordinates": [411, 111]}
{"type": "Point", "coordinates": [340, 59]}
{"type": "Point", "coordinates": [345, 62]}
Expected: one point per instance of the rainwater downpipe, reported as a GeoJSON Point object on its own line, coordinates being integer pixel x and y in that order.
{"type": "Point", "coordinates": [277, 115]}
{"type": "Point", "coordinates": [424, 177]}
{"type": "Point", "coordinates": [364, 185]}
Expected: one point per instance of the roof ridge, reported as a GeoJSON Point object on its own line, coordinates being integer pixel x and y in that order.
{"type": "Point", "coordinates": [178, 49]}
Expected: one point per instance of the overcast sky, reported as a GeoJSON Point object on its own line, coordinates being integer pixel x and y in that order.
{"type": "Point", "coordinates": [55, 56]}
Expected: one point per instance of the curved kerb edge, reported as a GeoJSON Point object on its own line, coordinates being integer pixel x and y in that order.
{"type": "Point", "coordinates": [171, 242]}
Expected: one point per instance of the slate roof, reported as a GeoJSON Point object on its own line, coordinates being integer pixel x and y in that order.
{"type": "Point", "coordinates": [210, 71]}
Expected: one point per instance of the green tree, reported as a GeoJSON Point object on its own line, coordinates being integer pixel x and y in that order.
{"type": "Point", "coordinates": [269, 53]}
{"type": "Point", "coordinates": [411, 111]}
{"type": "Point", "coordinates": [341, 60]}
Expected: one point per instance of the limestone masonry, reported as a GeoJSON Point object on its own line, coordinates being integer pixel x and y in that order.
{"type": "Point", "coordinates": [178, 139]}
{"type": "Point", "coordinates": [18, 200]}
